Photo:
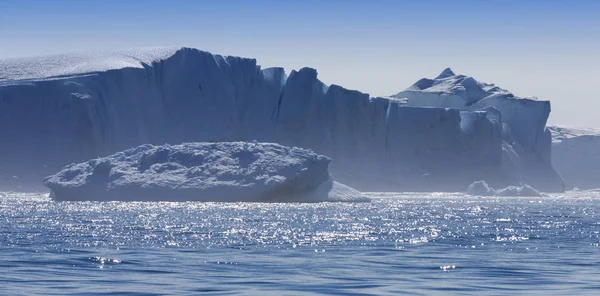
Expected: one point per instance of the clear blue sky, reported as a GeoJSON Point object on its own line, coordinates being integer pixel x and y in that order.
{"type": "Point", "coordinates": [550, 49]}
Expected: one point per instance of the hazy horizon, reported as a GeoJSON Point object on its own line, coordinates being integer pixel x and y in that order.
{"type": "Point", "coordinates": [546, 49]}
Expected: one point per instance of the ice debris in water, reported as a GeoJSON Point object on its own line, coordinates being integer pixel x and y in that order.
{"type": "Point", "coordinates": [229, 171]}
{"type": "Point", "coordinates": [481, 188]}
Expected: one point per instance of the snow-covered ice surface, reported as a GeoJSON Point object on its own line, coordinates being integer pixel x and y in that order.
{"type": "Point", "coordinates": [234, 171]}
{"type": "Point", "coordinates": [19, 70]}
{"type": "Point", "coordinates": [70, 108]}
{"type": "Point", "coordinates": [576, 155]}
{"type": "Point", "coordinates": [561, 133]}
{"type": "Point", "coordinates": [454, 91]}
{"type": "Point", "coordinates": [481, 188]}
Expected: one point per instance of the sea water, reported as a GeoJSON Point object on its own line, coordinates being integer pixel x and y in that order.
{"type": "Point", "coordinates": [397, 244]}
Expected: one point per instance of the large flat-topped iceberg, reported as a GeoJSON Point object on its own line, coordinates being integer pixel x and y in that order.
{"type": "Point", "coordinates": [79, 107]}
{"type": "Point", "coordinates": [236, 171]}
{"type": "Point", "coordinates": [576, 155]}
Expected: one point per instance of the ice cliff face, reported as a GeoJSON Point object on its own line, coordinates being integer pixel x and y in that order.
{"type": "Point", "coordinates": [576, 155]}
{"type": "Point", "coordinates": [62, 109]}
{"type": "Point", "coordinates": [526, 141]}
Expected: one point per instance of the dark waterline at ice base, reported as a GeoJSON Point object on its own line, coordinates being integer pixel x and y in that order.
{"type": "Point", "coordinates": [398, 243]}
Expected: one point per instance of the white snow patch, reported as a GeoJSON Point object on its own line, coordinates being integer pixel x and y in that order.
{"type": "Point", "coordinates": [452, 90]}
{"type": "Point", "coordinates": [560, 133]}
{"type": "Point", "coordinates": [74, 64]}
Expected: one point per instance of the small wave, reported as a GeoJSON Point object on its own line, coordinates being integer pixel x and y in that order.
{"type": "Point", "coordinates": [103, 260]}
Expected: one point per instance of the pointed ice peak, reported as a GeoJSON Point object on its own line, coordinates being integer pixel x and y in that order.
{"type": "Point", "coordinates": [449, 83]}
{"type": "Point", "coordinates": [445, 74]}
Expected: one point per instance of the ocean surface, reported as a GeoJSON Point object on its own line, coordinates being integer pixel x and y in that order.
{"type": "Point", "coordinates": [421, 244]}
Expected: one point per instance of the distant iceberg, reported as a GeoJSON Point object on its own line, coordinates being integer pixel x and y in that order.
{"type": "Point", "coordinates": [576, 155]}
{"type": "Point", "coordinates": [226, 172]}
{"type": "Point", "coordinates": [481, 188]}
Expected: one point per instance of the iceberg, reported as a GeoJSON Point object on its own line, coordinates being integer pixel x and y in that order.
{"type": "Point", "coordinates": [576, 155]}
{"type": "Point", "coordinates": [220, 172]}
{"type": "Point", "coordinates": [70, 108]}
{"type": "Point", "coordinates": [524, 190]}
{"type": "Point", "coordinates": [525, 140]}
{"type": "Point", "coordinates": [481, 188]}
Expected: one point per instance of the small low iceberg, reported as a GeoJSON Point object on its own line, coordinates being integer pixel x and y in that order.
{"type": "Point", "coordinates": [217, 172]}
{"type": "Point", "coordinates": [481, 188]}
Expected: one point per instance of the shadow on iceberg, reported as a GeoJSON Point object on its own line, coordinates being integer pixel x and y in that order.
{"type": "Point", "coordinates": [225, 172]}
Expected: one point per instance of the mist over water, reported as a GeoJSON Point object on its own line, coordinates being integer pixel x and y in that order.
{"type": "Point", "coordinates": [399, 243]}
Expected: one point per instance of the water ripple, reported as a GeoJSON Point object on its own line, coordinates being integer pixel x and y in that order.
{"type": "Point", "coordinates": [399, 243]}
